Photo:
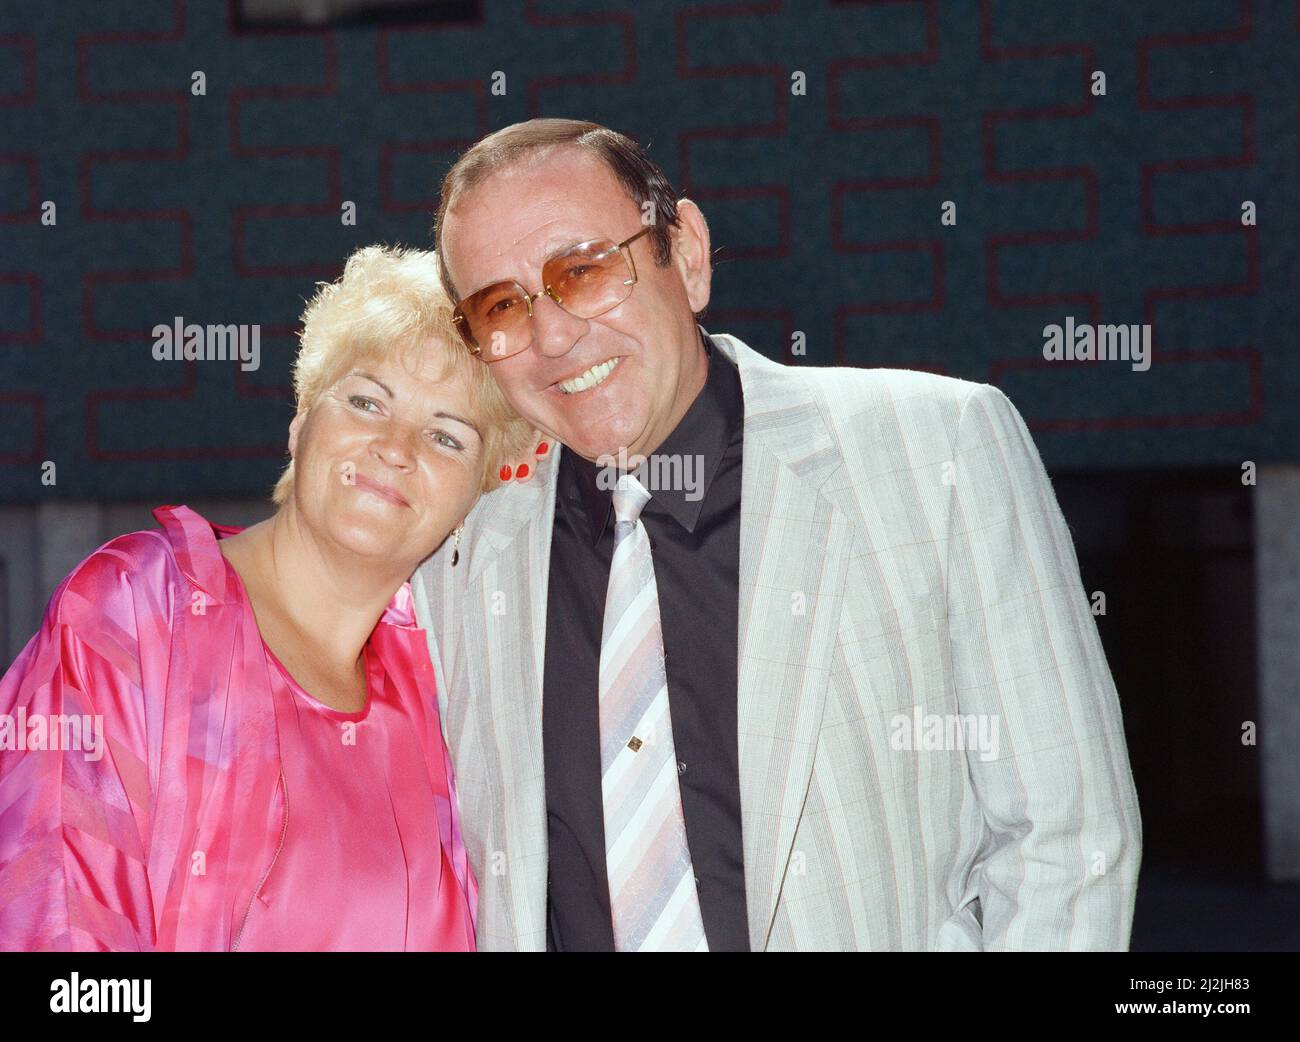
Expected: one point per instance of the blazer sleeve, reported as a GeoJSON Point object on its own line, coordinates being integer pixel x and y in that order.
{"type": "Point", "coordinates": [1059, 867]}
{"type": "Point", "coordinates": [74, 819]}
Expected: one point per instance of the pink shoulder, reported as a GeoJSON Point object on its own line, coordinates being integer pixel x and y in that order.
{"type": "Point", "coordinates": [126, 577]}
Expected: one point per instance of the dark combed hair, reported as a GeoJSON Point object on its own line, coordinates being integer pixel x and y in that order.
{"type": "Point", "coordinates": [635, 170]}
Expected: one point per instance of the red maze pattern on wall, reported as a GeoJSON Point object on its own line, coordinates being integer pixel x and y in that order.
{"type": "Point", "coordinates": [19, 51]}
{"type": "Point", "coordinates": [1246, 356]}
{"type": "Point", "coordinates": [624, 47]}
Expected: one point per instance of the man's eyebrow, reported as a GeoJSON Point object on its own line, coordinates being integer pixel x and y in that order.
{"type": "Point", "coordinates": [374, 380]}
{"type": "Point", "coordinates": [554, 248]}
{"type": "Point", "coordinates": [565, 245]}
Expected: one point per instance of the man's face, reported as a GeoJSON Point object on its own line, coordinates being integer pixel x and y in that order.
{"type": "Point", "coordinates": [507, 227]}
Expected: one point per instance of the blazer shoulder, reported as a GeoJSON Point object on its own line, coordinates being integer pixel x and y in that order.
{"type": "Point", "coordinates": [884, 405]}
{"type": "Point", "coordinates": [847, 384]}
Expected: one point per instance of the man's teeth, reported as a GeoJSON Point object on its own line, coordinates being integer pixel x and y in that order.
{"type": "Point", "coordinates": [596, 374]}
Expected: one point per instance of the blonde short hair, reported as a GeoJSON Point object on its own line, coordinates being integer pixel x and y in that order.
{"type": "Point", "coordinates": [388, 300]}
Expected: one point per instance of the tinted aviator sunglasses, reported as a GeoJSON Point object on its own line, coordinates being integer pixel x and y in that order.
{"type": "Point", "coordinates": [586, 280]}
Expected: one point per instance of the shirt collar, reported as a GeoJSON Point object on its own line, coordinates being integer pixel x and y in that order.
{"type": "Point", "coordinates": [703, 434]}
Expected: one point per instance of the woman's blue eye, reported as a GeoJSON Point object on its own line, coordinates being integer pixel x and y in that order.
{"type": "Point", "coordinates": [451, 442]}
{"type": "Point", "coordinates": [364, 404]}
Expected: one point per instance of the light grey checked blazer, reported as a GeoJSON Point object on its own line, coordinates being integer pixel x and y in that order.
{"type": "Point", "coordinates": [900, 547]}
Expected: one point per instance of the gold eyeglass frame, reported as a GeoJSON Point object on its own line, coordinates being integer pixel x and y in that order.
{"type": "Point", "coordinates": [462, 324]}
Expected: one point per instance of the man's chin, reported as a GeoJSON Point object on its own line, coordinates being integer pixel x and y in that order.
{"type": "Point", "coordinates": [601, 452]}
{"type": "Point", "coordinates": [594, 448]}
{"type": "Point", "coordinates": [585, 450]}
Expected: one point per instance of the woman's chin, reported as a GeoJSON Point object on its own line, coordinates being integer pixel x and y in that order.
{"type": "Point", "coordinates": [372, 527]}
{"type": "Point", "coordinates": [367, 535]}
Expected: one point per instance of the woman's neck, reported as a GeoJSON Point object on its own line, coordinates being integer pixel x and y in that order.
{"type": "Point", "coordinates": [326, 597]}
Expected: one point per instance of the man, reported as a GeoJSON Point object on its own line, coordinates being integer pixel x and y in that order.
{"type": "Point", "coordinates": [892, 724]}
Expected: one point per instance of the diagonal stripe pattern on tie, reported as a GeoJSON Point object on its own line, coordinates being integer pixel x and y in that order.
{"type": "Point", "coordinates": [652, 895]}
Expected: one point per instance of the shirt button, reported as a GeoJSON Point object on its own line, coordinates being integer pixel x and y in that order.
{"type": "Point", "coordinates": [681, 766]}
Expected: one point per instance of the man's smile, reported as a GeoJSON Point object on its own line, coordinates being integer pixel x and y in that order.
{"type": "Point", "coordinates": [585, 381]}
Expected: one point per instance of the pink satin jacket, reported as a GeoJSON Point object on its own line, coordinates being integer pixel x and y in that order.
{"type": "Point", "coordinates": [162, 840]}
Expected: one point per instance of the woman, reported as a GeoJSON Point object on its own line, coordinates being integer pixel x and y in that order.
{"type": "Point", "coordinates": [272, 773]}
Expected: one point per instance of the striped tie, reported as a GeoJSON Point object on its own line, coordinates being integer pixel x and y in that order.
{"type": "Point", "coordinates": [652, 896]}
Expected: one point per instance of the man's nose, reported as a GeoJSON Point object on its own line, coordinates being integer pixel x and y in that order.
{"type": "Point", "coordinates": [555, 330]}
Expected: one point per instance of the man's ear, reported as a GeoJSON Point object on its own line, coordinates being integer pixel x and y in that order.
{"type": "Point", "coordinates": [294, 427]}
{"type": "Point", "coordinates": [691, 254]}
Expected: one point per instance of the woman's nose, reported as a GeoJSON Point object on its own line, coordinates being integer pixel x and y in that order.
{"type": "Point", "coordinates": [396, 446]}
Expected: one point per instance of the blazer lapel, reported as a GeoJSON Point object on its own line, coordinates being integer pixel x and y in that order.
{"type": "Point", "coordinates": [514, 534]}
{"type": "Point", "coordinates": [794, 552]}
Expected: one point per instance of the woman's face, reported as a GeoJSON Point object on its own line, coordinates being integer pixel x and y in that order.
{"type": "Point", "coordinates": [388, 461]}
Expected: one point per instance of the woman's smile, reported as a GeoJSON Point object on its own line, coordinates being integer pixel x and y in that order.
{"type": "Point", "coordinates": [380, 491]}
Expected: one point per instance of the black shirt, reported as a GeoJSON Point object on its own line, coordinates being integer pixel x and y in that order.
{"type": "Point", "coordinates": [694, 536]}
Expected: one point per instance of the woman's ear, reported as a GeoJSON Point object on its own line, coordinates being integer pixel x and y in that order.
{"type": "Point", "coordinates": [294, 426]}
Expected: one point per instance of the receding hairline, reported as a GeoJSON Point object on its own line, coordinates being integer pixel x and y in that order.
{"type": "Point", "coordinates": [522, 165]}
